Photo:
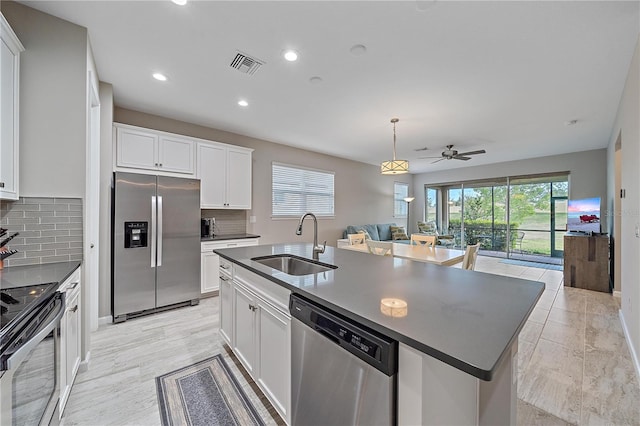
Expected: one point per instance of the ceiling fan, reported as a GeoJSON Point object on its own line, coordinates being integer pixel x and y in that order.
{"type": "Point", "coordinates": [452, 154]}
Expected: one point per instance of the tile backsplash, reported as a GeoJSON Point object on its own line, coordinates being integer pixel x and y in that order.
{"type": "Point", "coordinates": [50, 229]}
{"type": "Point", "coordinates": [227, 221]}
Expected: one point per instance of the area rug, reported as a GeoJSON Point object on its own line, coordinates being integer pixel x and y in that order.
{"type": "Point", "coordinates": [533, 264]}
{"type": "Point", "coordinates": [204, 394]}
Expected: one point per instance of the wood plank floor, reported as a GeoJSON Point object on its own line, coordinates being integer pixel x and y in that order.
{"type": "Point", "coordinates": [574, 364]}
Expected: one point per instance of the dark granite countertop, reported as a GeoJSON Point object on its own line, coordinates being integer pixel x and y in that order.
{"type": "Point", "coordinates": [22, 276]}
{"type": "Point", "coordinates": [466, 319]}
{"type": "Point", "coordinates": [227, 237]}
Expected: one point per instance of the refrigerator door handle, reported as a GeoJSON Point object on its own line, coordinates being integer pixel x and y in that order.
{"type": "Point", "coordinates": [153, 231]}
{"type": "Point", "coordinates": [159, 230]}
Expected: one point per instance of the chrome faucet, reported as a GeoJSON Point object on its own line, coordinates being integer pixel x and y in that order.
{"type": "Point", "coordinates": [316, 248]}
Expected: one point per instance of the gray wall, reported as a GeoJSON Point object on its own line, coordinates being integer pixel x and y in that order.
{"type": "Point", "coordinates": [588, 175]}
{"type": "Point", "coordinates": [53, 76]}
{"type": "Point", "coordinates": [627, 128]}
{"type": "Point", "coordinates": [362, 194]}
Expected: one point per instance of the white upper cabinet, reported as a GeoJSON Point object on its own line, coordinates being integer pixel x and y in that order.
{"type": "Point", "coordinates": [9, 108]}
{"type": "Point", "coordinates": [225, 176]}
{"type": "Point", "coordinates": [145, 149]}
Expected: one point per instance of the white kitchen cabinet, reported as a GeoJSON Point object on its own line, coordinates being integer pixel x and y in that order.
{"type": "Point", "coordinates": [139, 148]}
{"type": "Point", "coordinates": [244, 345]}
{"type": "Point", "coordinates": [273, 334]}
{"type": "Point", "coordinates": [226, 304]}
{"type": "Point", "coordinates": [10, 49]}
{"type": "Point", "coordinates": [225, 176]}
{"type": "Point", "coordinates": [262, 335]}
{"type": "Point", "coordinates": [209, 265]}
{"type": "Point", "coordinates": [210, 262]}
{"type": "Point", "coordinates": [70, 335]}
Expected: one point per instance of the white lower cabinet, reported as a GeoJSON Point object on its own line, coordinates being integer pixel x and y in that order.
{"type": "Point", "coordinates": [244, 345]}
{"type": "Point", "coordinates": [209, 265]}
{"type": "Point", "coordinates": [226, 308]}
{"type": "Point", "coordinates": [210, 262]}
{"type": "Point", "coordinates": [70, 336]}
{"type": "Point", "coordinates": [261, 335]}
{"type": "Point", "coordinates": [274, 355]}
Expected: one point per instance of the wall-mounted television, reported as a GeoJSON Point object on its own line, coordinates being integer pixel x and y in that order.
{"type": "Point", "coordinates": [584, 215]}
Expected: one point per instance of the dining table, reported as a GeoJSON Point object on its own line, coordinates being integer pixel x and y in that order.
{"type": "Point", "coordinates": [420, 253]}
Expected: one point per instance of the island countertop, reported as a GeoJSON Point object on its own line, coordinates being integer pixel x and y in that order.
{"type": "Point", "coordinates": [466, 319]}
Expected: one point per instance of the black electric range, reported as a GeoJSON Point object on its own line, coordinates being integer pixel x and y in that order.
{"type": "Point", "coordinates": [19, 306]}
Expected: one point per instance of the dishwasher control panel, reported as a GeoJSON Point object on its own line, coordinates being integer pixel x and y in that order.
{"type": "Point", "coordinates": [375, 349]}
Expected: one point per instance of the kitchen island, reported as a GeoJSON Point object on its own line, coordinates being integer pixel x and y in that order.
{"type": "Point", "coordinates": [458, 333]}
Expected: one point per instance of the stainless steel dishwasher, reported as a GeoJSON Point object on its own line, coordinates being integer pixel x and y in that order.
{"type": "Point", "coordinates": [341, 372]}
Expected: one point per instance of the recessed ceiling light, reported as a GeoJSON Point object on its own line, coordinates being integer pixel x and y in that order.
{"type": "Point", "coordinates": [160, 77]}
{"type": "Point", "coordinates": [315, 80]}
{"type": "Point", "coordinates": [358, 49]}
{"type": "Point", "coordinates": [243, 103]}
{"type": "Point", "coordinates": [291, 55]}
{"type": "Point", "coordinates": [180, 2]}
{"type": "Point", "coordinates": [570, 122]}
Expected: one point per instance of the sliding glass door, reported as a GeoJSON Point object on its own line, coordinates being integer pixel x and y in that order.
{"type": "Point", "coordinates": [522, 217]}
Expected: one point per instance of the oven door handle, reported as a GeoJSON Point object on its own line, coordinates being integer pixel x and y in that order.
{"type": "Point", "coordinates": [51, 323]}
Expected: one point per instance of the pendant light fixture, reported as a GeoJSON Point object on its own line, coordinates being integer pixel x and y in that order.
{"type": "Point", "coordinates": [394, 167]}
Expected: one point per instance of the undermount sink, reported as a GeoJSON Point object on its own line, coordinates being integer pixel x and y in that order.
{"type": "Point", "coordinates": [293, 265]}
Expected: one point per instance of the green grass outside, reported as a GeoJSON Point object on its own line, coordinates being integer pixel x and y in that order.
{"type": "Point", "coordinates": [537, 242]}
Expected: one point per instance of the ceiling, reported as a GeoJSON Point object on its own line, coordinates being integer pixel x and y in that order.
{"type": "Point", "coordinates": [500, 76]}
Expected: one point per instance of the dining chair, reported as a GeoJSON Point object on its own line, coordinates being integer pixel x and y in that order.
{"type": "Point", "coordinates": [380, 248]}
{"type": "Point", "coordinates": [423, 240]}
{"type": "Point", "coordinates": [470, 256]}
{"type": "Point", "coordinates": [355, 239]}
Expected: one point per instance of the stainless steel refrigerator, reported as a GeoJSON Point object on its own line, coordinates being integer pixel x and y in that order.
{"type": "Point", "coordinates": [155, 243]}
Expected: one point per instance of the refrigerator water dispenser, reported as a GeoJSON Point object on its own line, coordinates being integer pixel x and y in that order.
{"type": "Point", "coordinates": [135, 234]}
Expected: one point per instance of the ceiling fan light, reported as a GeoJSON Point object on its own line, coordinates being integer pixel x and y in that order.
{"type": "Point", "coordinates": [394, 167]}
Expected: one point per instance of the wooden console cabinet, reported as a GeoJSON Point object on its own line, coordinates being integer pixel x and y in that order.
{"type": "Point", "coordinates": [586, 262]}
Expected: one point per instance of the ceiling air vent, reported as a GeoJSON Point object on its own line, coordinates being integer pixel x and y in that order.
{"type": "Point", "coordinates": [246, 64]}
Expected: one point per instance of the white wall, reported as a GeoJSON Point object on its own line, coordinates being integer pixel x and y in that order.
{"type": "Point", "coordinates": [106, 175]}
{"type": "Point", "coordinates": [627, 128]}
{"type": "Point", "coordinates": [53, 96]}
{"type": "Point", "coordinates": [588, 175]}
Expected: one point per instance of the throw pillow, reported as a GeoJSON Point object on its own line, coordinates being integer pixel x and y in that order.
{"type": "Point", "coordinates": [398, 233]}
{"type": "Point", "coordinates": [366, 234]}
{"type": "Point", "coordinates": [427, 228]}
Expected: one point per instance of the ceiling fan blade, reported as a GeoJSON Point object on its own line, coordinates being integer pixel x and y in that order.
{"type": "Point", "coordinates": [462, 154]}
{"type": "Point", "coordinates": [458, 157]}
{"type": "Point", "coordinates": [433, 162]}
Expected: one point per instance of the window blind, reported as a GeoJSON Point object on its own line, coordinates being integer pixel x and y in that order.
{"type": "Point", "coordinates": [296, 190]}
{"type": "Point", "coordinates": [400, 191]}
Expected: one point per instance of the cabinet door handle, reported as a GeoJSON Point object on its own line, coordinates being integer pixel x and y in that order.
{"type": "Point", "coordinates": [74, 285]}
{"type": "Point", "coordinates": [1, 184]}
{"type": "Point", "coordinates": [224, 278]}
{"type": "Point", "coordinates": [160, 164]}
{"type": "Point", "coordinates": [74, 309]}
{"type": "Point", "coordinates": [253, 307]}
{"type": "Point", "coordinates": [224, 266]}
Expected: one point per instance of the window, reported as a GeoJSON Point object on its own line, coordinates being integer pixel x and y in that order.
{"type": "Point", "coordinates": [431, 204]}
{"type": "Point", "coordinates": [296, 191]}
{"type": "Point", "coordinates": [400, 191]}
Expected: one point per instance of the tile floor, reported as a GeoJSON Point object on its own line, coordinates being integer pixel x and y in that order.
{"type": "Point", "coordinates": [574, 364]}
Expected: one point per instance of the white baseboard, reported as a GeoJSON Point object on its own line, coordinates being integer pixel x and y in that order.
{"type": "Point", "coordinates": [84, 364]}
{"type": "Point", "coordinates": [617, 294]}
{"type": "Point", "coordinates": [634, 354]}
{"type": "Point", "coordinates": [105, 320]}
